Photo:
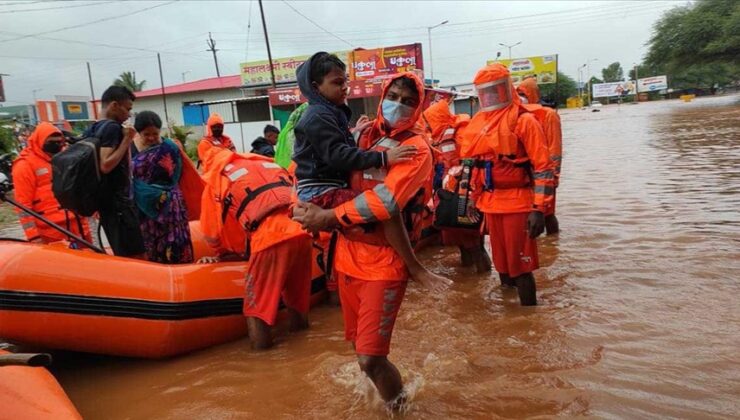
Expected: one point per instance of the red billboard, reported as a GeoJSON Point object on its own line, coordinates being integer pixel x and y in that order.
{"type": "Point", "coordinates": [285, 96]}
{"type": "Point", "coordinates": [357, 89]}
{"type": "Point", "coordinates": [382, 63]}
{"type": "Point", "coordinates": [2, 90]}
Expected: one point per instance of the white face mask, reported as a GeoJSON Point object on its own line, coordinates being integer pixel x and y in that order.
{"type": "Point", "coordinates": [524, 99]}
{"type": "Point", "coordinates": [396, 113]}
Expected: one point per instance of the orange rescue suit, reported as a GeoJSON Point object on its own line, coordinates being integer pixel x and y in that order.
{"type": "Point", "coordinates": [381, 199]}
{"type": "Point", "coordinates": [242, 193]}
{"type": "Point", "coordinates": [208, 141]}
{"type": "Point", "coordinates": [514, 173]}
{"type": "Point", "coordinates": [550, 121]}
{"type": "Point", "coordinates": [32, 181]}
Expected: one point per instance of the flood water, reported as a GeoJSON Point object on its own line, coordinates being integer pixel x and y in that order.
{"type": "Point", "coordinates": [638, 317]}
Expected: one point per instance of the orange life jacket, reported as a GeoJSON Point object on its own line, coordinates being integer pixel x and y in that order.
{"type": "Point", "coordinates": [370, 178]}
{"type": "Point", "coordinates": [251, 198]}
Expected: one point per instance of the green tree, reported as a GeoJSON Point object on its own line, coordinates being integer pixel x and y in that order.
{"type": "Point", "coordinates": [697, 46]}
{"type": "Point", "coordinates": [565, 88]}
{"type": "Point", "coordinates": [613, 73]}
{"type": "Point", "coordinates": [128, 79]}
{"type": "Point", "coordinates": [182, 134]}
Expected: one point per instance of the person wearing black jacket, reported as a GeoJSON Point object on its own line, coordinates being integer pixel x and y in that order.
{"type": "Point", "coordinates": [265, 146]}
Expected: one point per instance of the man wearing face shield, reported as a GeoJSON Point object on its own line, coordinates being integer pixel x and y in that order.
{"type": "Point", "coordinates": [214, 137]}
{"type": "Point", "coordinates": [513, 180]}
{"type": "Point", "coordinates": [529, 92]}
{"type": "Point", "coordinates": [32, 181]}
{"type": "Point", "coordinates": [373, 278]}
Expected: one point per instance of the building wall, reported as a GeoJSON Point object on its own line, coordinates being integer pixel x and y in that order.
{"type": "Point", "coordinates": [176, 101]}
{"type": "Point", "coordinates": [242, 132]}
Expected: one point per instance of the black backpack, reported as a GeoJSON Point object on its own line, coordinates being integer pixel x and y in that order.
{"type": "Point", "coordinates": [75, 175]}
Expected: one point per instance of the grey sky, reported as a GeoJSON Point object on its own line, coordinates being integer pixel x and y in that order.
{"type": "Point", "coordinates": [576, 30]}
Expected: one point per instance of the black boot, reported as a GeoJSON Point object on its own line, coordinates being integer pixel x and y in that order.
{"type": "Point", "coordinates": [506, 281]}
{"type": "Point", "coordinates": [527, 289]}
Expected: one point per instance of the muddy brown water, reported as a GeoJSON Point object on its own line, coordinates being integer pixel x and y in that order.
{"type": "Point", "coordinates": [638, 315]}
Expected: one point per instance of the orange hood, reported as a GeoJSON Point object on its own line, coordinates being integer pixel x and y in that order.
{"type": "Point", "coordinates": [38, 137]}
{"type": "Point", "coordinates": [492, 132]}
{"type": "Point", "coordinates": [530, 90]}
{"type": "Point", "coordinates": [379, 128]}
{"type": "Point", "coordinates": [439, 117]}
{"type": "Point", "coordinates": [214, 119]}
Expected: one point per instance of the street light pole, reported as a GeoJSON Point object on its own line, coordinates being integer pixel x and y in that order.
{"type": "Point", "coordinates": [588, 75]}
{"type": "Point", "coordinates": [431, 61]}
{"type": "Point", "coordinates": [510, 47]}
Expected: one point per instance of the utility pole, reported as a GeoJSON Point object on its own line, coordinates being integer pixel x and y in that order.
{"type": "Point", "coordinates": [431, 61]}
{"type": "Point", "coordinates": [164, 98]}
{"type": "Point", "coordinates": [212, 48]}
{"type": "Point", "coordinates": [92, 92]}
{"type": "Point", "coordinates": [267, 41]}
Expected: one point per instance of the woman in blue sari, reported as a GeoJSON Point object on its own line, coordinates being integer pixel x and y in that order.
{"type": "Point", "coordinates": [157, 167]}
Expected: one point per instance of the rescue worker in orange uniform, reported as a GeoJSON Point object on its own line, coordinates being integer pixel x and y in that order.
{"type": "Point", "coordinates": [550, 121]}
{"type": "Point", "coordinates": [373, 278]}
{"type": "Point", "coordinates": [513, 181]}
{"type": "Point", "coordinates": [245, 216]}
{"type": "Point", "coordinates": [32, 181]}
{"type": "Point", "coordinates": [445, 129]}
{"type": "Point", "coordinates": [214, 137]}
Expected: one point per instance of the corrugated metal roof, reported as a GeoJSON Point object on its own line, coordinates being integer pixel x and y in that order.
{"type": "Point", "coordinates": [214, 83]}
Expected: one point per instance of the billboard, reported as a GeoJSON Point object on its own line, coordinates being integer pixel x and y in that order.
{"type": "Point", "coordinates": [545, 67]}
{"type": "Point", "coordinates": [605, 90]}
{"type": "Point", "coordinates": [357, 89]}
{"type": "Point", "coordinates": [382, 63]}
{"type": "Point", "coordinates": [73, 108]}
{"type": "Point", "coordinates": [652, 84]}
{"type": "Point", "coordinates": [258, 72]}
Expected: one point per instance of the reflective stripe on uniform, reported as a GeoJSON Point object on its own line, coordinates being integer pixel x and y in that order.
{"type": "Point", "coordinates": [546, 190]}
{"type": "Point", "coordinates": [385, 195]}
{"type": "Point", "coordinates": [237, 174]}
{"type": "Point", "coordinates": [544, 175]}
{"type": "Point", "coordinates": [386, 142]}
{"type": "Point", "coordinates": [364, 210]}
{"type": "Point", "coordinates": [556, 158]}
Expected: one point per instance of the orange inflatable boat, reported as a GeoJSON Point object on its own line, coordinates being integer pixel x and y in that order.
{"type": "Point", "coordinates": [58, 298]}
{"type": "Point", "coordinates": [30, 393]}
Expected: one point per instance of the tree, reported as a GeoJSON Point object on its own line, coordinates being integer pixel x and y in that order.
{"type": "Point", "coordinates": [697, 46]}
{"type": "Point", "coordinates": [127, 79]}
{"type": "Point", "coordinates": [566, 87]}
{"type": "Point", "coordinates": [613, 73]}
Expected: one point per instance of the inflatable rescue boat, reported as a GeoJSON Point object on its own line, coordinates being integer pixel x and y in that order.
{"type": "Point", "coordinates": [29, 393]}
{"type": "Point", "coordinates": [57, 298]}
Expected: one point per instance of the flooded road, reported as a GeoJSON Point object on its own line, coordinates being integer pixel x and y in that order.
{"type": "Point", "coordinates": [638, 315]}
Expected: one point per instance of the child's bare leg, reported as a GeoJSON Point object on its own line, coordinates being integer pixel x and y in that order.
{"type": "Point", "coordinates": [398, 238]}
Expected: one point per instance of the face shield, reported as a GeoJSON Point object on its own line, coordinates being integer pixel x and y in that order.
{"type": "Point", "coordinates": [494, 95]}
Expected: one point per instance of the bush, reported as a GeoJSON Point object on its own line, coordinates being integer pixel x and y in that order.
{"type": "Point", "coordinates": [182, 134]}
{"type": "Point", "coordinates": [7, 141]}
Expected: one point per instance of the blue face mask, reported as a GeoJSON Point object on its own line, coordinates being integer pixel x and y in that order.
{"type": "Point", "coordinates": [396, 112]}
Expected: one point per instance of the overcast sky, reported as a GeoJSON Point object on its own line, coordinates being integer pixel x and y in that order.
{"type": "Point", "coordinates": [130, 33]}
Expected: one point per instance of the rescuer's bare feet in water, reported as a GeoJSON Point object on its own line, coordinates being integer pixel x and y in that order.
{"type": "Point", "coordinates": [298, 321]}
{"type": "Point", "coordinates": [386, 377]}
{"type": "Point", "coordinates": [259, 333]}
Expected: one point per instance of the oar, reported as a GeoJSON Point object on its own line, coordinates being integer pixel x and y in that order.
{"type": "Point", "coordinates": [4, 197]}
{"type": "Point", "coordinates": [25, 359]}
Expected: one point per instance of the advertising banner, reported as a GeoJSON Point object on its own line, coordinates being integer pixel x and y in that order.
{"type": "Point", "coordinates": [285, 96]}
{"type": "Point", "coordinates": [544, 67]}
{"type": "Point", "coordinates": [652, 84]}
{"type": "Point", "coordinates": [73, 108]}
{"type": "Point", "coordinates": [382, 63]}
{"type": "Point", "coordinates": [605, 90]}
{"type": "Point", "coordinates": [258, 72]}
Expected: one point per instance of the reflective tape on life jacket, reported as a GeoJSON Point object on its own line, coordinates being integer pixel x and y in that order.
{"type": "Point", "coordinates": [256, 189]}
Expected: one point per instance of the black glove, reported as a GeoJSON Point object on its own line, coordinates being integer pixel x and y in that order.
{"type": "Point", "coordinates": [535, 224]}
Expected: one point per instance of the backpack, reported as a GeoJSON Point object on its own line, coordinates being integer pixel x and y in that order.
{"type": "Point", "coordinates": [75, 175]}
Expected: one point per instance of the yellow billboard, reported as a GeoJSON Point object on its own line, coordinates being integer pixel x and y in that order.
{"type": "Point", "coordinates": [545, 67]}
{"type": "Point", "coordinates": [258, 72]}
